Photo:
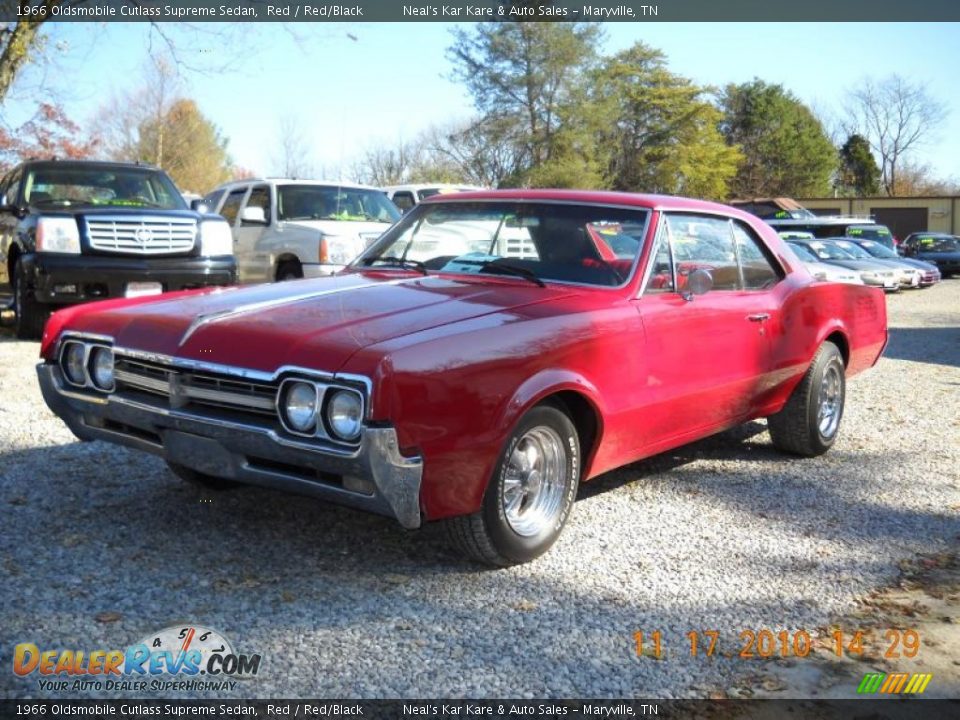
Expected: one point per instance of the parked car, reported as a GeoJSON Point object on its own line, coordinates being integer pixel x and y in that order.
{"type": "Point", "coordinates": [871, 272]}
{"type": "Point", "coordinates": [821, 270]}
{"type": "Point", "coordinates": [908, 275]}
{"type": "Point", "coordinates": [824, 227]}
{"type": "Point", "coordinates": [406, 196]}
{"type": "Point", "coordinates": [289, 229]}
{"type": "Point", "coordinates": [72, 231]}
{"type": "Point", "coordinates": [929, 274]}
{"type": "Point", "coordinates": [478, 389]}
{"type": "Point", "coordinates": [939, 249]}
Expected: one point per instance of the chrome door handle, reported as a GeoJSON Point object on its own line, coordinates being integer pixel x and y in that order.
{"type": "Point", "coordinates": [759, 317]}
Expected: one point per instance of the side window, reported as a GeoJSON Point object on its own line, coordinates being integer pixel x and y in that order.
{"type": "Point", "coordinates": [759, 272]}
{"type": "Point", "coordinates": [403, 200]}
{"type": "Point", "coordinates": [213, 199]}
{"type": "Point", "coordinates": [661, 274]}
{"type": "Point", "coordinates": [260, 197]}
{"type": "Point", "coordinates": [704, 243]}
{"type": "Point", "coordinates": [231, 207]}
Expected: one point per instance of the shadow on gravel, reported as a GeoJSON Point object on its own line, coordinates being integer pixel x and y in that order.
{"type": "Point", "coordinates": [934, 345]}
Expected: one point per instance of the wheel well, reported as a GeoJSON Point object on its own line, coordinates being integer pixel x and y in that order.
{"type": "Point", "coordinates": [840, 340]}
{"type": "Point", "coordinates": [584, 418]}
{"type": "Point", "coordinates": [283, 260]}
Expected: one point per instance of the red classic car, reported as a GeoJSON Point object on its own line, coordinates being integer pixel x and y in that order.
{"type": "Point", "coordinates": [487, 354]}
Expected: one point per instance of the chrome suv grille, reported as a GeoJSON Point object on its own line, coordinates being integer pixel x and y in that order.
{"type": "Point", "coordinates": [141, 234]}
{"type": "Point", "coordinates": [182, 388]}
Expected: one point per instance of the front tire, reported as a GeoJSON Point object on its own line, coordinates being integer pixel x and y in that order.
{"type": "Point", "coordinates": [809, 423]}
{"type": "Point", "coordinates": [30, 316]}
{"type": "Point", "coordinates": [529, 496]}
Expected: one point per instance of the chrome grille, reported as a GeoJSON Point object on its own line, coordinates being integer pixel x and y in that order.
{"type": "Point", "coordinates": [182, 388]}
{"type": "Point", "coordinates": [141, 234]}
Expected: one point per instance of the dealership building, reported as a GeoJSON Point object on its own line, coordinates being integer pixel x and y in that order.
{"type": "Point", "coordinates": [903, 215]}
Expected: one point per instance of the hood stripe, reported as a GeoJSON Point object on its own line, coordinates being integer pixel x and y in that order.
{"type": "Point", "coordinates": [202, 320]}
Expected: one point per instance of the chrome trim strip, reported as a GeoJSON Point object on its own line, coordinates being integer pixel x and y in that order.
{"type": "Point", "coordinates": [202, 320]}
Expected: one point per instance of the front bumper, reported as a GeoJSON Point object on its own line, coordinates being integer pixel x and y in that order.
{"type": "Point", "coordinates": [68, 279]}
{"type": "Point", "coordinates": [383, 481]}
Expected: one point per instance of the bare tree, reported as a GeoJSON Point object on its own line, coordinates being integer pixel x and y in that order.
{"type": "Point", "coordinates": [896, 116]}
{"type": "Point", "coordinates": [292, 150]}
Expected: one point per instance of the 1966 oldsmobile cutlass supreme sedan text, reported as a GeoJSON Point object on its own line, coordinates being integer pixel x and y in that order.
{"type": "Point", "coordinates": [486, 355]}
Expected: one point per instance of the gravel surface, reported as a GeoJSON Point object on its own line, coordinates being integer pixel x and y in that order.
{"type": "Point", "coordinates": [726, 534]}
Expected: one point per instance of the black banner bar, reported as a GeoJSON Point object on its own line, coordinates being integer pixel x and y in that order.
{"type": "Point", "coordinates": [892, 709]}
{"type": "Point", "coordinates": [637, 11]}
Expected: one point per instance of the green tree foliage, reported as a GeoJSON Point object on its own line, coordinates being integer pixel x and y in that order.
{"type": "Point", "coordinates": [529, 72]}
{"type": "Point", "coordinates": [785, 148]}
{"type": "Point", "coordinates": [657, 131]}
{"type": "Point", "coordinates": [187, 145]}
{"type": "Point", "coordinates": [859, 174]}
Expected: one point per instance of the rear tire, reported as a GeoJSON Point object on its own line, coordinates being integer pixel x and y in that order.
{"type": "Point", "coordinates": [529, 496]}
{"type": "Point", "coordinates": [31, 316]}
{"type": "Point", "coordinates": [202, 480]}
{"type": "Point", "coordinates": [809, 423]}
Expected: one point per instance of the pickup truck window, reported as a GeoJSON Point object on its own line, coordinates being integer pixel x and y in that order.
{"type": "Point", "coordinates": [79, 185]}
{"type": "Point", "coordinates": [403, 200]}
{"type": "Point", "coordinates": [260, 197]}
{"type": "Point", "coordinates": [231, 207]}
{"type": "Point", "coordinates": [332, 202]}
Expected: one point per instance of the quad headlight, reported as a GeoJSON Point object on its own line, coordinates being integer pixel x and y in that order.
{"type": "Point", "coordinates": [73, 364]}
{"type": "Point", "coordinates": [299, 405]}
{"type": "Point", "coordinates": [101, 368]}
{"type": "Point", "coordinates": [345, 414]}
{"type": "Point", "coordinates": [313, 408]}
{"type": "Point", "coordinates": [88, 365]}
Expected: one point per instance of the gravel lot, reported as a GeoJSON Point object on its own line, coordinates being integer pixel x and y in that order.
{"type": "Point", "coordinates": [725, 534]}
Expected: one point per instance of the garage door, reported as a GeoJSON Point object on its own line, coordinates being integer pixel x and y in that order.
{"type": "Point", "coordinates": [902, 221]}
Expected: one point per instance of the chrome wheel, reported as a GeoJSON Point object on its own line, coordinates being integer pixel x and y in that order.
{"type": "Point", "coordinates": [830, 401]}
{"type": "Point", "coordinates": [534, 481]}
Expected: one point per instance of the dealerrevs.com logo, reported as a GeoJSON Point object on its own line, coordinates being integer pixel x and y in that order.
{"type": "Point", "coordinates": [179, 657]}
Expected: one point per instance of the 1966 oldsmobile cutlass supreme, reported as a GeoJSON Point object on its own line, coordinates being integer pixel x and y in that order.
{"type": "Point", "coordinates": [487, 354]}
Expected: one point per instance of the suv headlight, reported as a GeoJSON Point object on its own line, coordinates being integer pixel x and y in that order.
{"type": "Point", "coordinates": [58, 235]}
{"type": "Point", "coordinates": [336, 250]}
{"type": "Point", "coordinates": [215, 238]}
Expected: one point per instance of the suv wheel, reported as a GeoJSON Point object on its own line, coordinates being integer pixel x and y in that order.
{"type": "Point", "coordinates": [31, 316]}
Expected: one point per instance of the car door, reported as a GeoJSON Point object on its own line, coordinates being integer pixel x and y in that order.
{"type": "Point", "coordinates": [230, 211]}
{"type": "Point", "coordinates": [9, 190]}
{"type": "Point", "coordinates": [252, 237]}
{"type": "Point", "coordinates": [706, 357]}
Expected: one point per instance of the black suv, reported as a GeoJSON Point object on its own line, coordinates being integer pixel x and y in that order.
{"type": "Point", "coordinates": [72, 231]}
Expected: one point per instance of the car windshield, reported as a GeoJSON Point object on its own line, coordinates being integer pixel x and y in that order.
{"type": "Point", "coordinates": [68, 186]}
{"type": "Point", "coordinates": [803, 253]}
{"type": "Point", "coordinates": [538, 241]}
{"type": "Point", "coordinates": [828, 251]}
{"type": "Point", "coordinates": [871, 232]}
{"type": "Point", "coordinates": [332, 202]}
{"type": "Point", "coordinates": [855, 250]}
{"type": "Point", "coordinates": [940, 243]}
{"type": "Point", "coordinates": [878, 250]}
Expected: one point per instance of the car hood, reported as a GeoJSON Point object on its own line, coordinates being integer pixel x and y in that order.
{"type": "Point", "coordinates": [861, 265]}
{"type": "Point", "coordinates": [314, 323]}
{"type": "Point", "coordinates": [832, 272]}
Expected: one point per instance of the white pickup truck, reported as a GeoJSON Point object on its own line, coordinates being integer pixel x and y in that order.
{"type": "Point", "coordinates": [287, 229]}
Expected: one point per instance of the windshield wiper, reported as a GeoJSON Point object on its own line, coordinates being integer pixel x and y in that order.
{"type": "Point", "coordinates": [510, 269]}
{"type": "Point", "coordinates": [402, 262]}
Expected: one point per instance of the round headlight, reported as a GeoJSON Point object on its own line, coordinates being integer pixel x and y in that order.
{"type": "Point", "coordinates": [73, 363]}
{"type": "Point", "coordinates": [101, 368]}
{"type": "Point", "coordinates": [344, 414]}
{"type": "Point", "coordinates": [300, 406]}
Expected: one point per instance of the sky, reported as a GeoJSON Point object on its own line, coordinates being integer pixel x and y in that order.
{"type": "Point", "coordinates": [354, 86]}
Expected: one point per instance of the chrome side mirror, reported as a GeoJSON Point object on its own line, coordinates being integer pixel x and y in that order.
{"type": "Point", "coordinates": [700, 281]}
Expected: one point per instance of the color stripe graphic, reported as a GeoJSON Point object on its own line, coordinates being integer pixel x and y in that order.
{"type": "Point", "coordinates": [894, 683]}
